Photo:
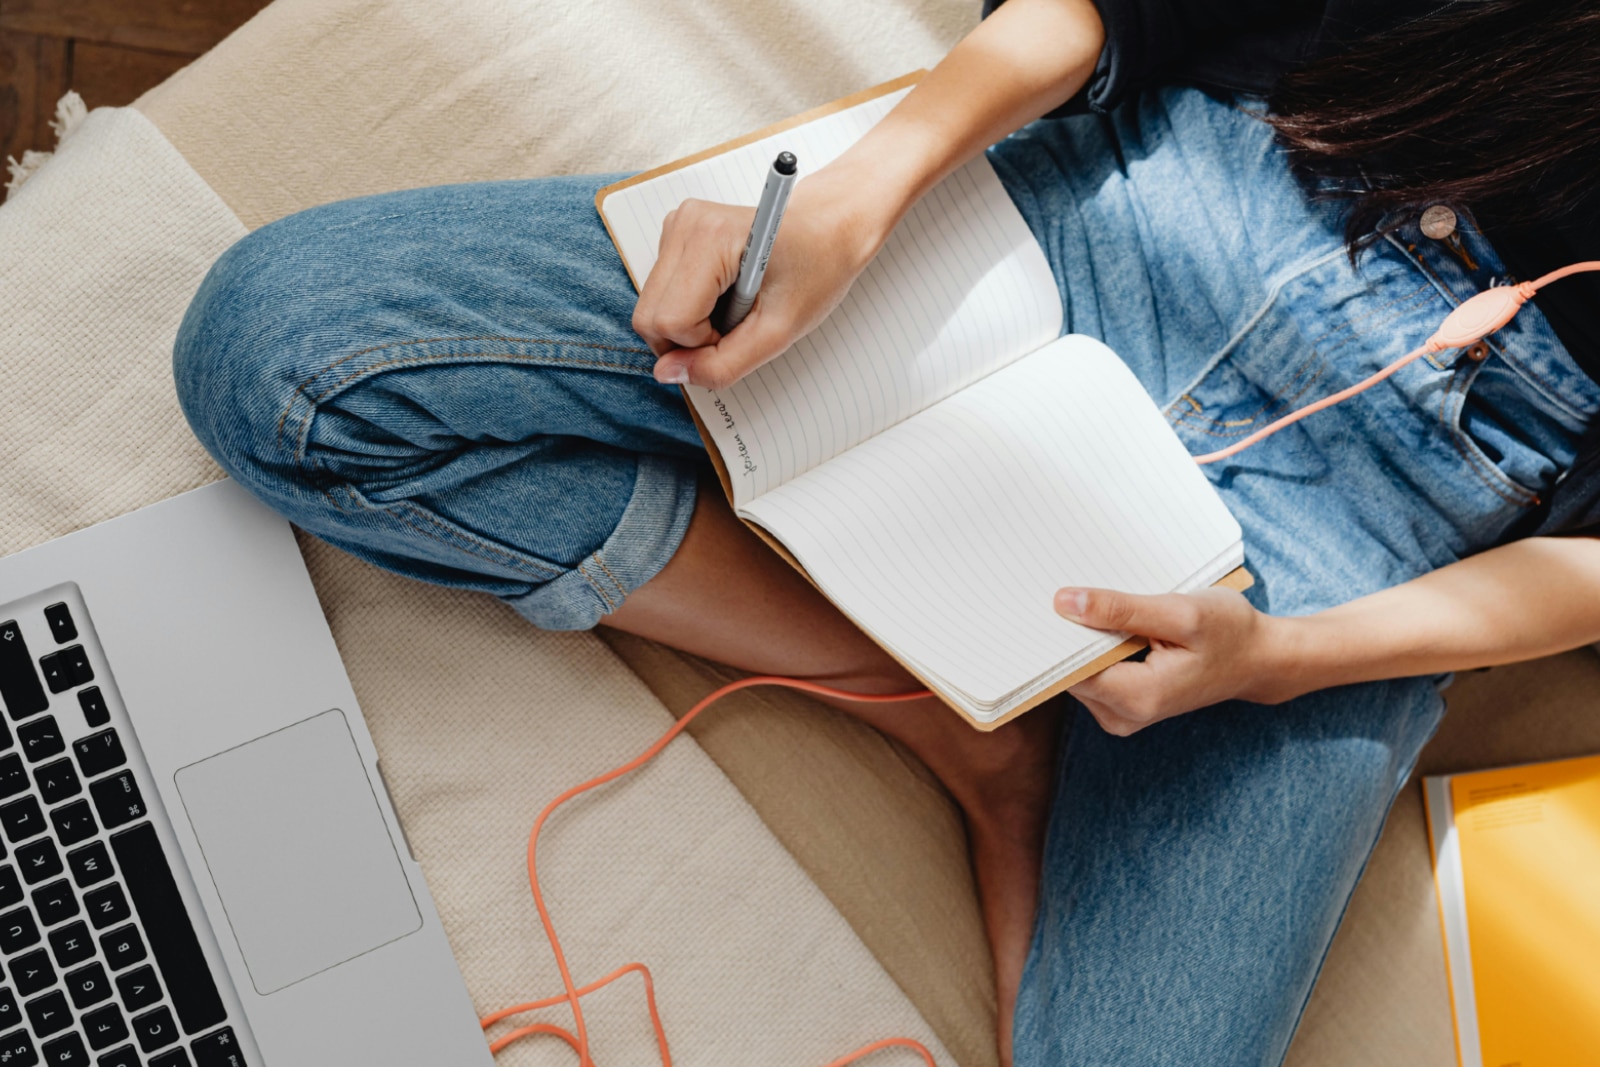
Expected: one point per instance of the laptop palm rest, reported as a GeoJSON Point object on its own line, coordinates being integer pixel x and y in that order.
{"type": "Point", "coordinates": [299, 851]}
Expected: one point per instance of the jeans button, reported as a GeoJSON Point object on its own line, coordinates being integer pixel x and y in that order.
{"type": "Point", "coordinates": [1438, 222]}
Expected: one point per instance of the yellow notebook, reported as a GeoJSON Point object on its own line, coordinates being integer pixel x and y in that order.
{"type": "Point", "coordinates": [1517, 861]}
{"type": "Point", "coordinates": [936, 457]}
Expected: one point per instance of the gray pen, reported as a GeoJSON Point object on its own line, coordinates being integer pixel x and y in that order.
{"type": "Point", "coordinates": [736, 303]}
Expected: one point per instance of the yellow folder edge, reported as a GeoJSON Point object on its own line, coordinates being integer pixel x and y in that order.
{"type": "Point", "coordinates": [1516, 862]}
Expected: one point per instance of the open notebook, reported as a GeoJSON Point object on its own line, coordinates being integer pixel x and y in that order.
{"type": "Point", "coordinates": [935, 456]}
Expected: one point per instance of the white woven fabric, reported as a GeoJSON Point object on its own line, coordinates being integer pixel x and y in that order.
{"type": "Point", "coordinates": [99, 254]}
{"type": "Point", "coordinates": [479, 718]}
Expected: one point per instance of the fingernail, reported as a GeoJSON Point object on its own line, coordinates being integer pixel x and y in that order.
{"type": "Point", "coordinates": [672, 372]}
{"type": "Point", "coordinates": [1072, 602]}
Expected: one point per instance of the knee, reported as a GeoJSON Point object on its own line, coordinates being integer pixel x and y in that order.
{"type": "Point", "coordinates": [257, 327]}
{"type": "Point", "coordinates": [222, 359]}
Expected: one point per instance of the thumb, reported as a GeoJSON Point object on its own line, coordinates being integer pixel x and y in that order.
{"type": "Point", "coordinates": [716, 366]}
{"type": "Point", "coordinates": [1172, 617]}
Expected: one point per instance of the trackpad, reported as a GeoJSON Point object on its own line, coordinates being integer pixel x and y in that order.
{"type": "Point", "coordinates": [299, 851]}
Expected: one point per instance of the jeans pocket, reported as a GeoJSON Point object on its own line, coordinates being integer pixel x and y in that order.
{"type": "Point", "coordinates": [1501, 431]}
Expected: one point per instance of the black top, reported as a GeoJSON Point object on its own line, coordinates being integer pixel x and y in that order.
{"type": "Point", "coordinates": [1243, 46]}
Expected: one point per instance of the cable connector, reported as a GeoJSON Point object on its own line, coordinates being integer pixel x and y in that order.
{"type": "Point", "coordinates": [1479, 316]}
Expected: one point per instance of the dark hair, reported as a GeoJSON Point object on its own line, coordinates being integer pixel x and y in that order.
{"type": "Point", "coordinates": [1489, 106]}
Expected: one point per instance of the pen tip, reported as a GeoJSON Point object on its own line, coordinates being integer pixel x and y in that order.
{"type": "Point", "coordinates": [785, 164]}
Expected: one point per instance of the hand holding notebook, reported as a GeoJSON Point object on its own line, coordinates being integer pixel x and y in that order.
{"type": "Point", "coordinates": [934, 456]}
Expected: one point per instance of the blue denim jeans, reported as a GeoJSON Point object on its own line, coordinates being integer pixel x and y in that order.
{"type": "Point", "coordinates": [444, 382]}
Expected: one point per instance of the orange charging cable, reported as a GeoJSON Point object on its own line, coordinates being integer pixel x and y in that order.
{"type": "Point", "coordinates": [1475, 319]}
{"type": "Point", "coordinates": [578, 1036]}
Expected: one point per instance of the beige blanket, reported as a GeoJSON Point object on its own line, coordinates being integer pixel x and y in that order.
{"type": "Point", "coordinates": [480, 719]}
{"type": "Point", "coordinates": [321, 99]}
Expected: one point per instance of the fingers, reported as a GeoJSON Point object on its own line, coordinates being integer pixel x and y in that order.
{"type": "Point", "coordinates": [716, 366]}
{"type": "Point", "coordinates": [1124, 698]}
{"type": "Point", "coordinates": [1174, 617]}
{"type": "Point", "coordinates": [698, 258]}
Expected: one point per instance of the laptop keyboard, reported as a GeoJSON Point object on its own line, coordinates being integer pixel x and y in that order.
{"type": "Point", "coordinates": [102, 965]}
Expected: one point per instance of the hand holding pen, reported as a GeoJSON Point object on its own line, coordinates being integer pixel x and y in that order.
{"type": "Point", "coordinates": [802, 270]}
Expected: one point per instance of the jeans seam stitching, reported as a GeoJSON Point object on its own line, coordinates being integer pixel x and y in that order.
{"type": "Point", "coordinates": [1196, 419]}
{"type": "Point", "coordinates": [301, 389]}
{"type": "Point", "coordinates": [1251, 323]}
{"type": "Point", "coordinates": [406, 513]}
{"type": "Point", "coordinates": [303, 435]}
{"type": "Point", "coordinates": [598, 588]}
{"type": "Point", "coordinates": [1199, 421]}
{"type": "Point", "coordinates": [602, 564]}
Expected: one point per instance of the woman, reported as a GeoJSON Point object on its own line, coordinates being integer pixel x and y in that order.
{"type": "Point", "coordinates": [458, 384]}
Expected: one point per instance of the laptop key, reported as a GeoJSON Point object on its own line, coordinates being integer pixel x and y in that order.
{"type": "Point", "coordinates": [118, 801]}
{"type": "Point", "coordinates": [166, 921]}
{"type": "Point", "coordinates": [10, 1013]}
{"type": "Point", "coordinates": [88, 986]}
{"type": "Point", "coordinates": [95, 711]}
{"type": "Point", "coordinates": [139, 989]}
{"type": "Point", "coordinates": [62, 628]}
{"type": "Point", "coordinates": [49, 1014]}
{"type": "Point", "coordinates": [65, 669]}
{"type": "Point", "coordinates": [13, 776]}
{"type": "Point", "coordinates": [10, 886]}
{"type": "Point", "coordinates": [55, 903]}
{"type": "Point", "coordinates": [19, 682]}
{"type": "Point", "coordinates": [66, 1051]}
{"type": "Point", "coordinates": [155, 1029]}
{"type": "Point", "coordinates": [220, 1049]}
{"type": "Point", "coordinates": [124, 947]}
{"type": "Point", "coordinates": [100, 753]}
{"type": "Point", "coordinates": [72, 945]}
{"type": "Point", "coordinates": [176, 1058]}
{"type": "Point", "coordinates": [122, 1057]}
{"type": "Point", "coordinates": [105, 1027]}
{"type": "Point", "coordinates": [74, 822]}
{"type": "Point", "coordinates": [18, 931]}
{"type": "Point", "coordinates": [107, 906]}
{"type": "Point", "coordinates": [58, 781]}
{"type": "Point", "coordinates": [41, 738]}
{"type": "Point", "coordinates": [22, 819]}
{"type": "Point", "coordinates": [39, 860]}
{"type": "Point", "coordinates": [16, 1050]}
{"type": "Point", "coordinates": [32, 973]}
{"type": "Point", "coordinates": [90, 865]}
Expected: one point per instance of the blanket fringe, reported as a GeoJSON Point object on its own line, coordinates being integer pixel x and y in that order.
{"type": "Point", "coordinates": [70, 113]}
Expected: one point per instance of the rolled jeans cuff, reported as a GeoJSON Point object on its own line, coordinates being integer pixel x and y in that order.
{"type": "Point", "coordinates": [651, 528]}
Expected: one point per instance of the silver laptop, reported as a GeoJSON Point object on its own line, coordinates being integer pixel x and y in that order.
{"type": "Point", "coordinates": [201, 864]}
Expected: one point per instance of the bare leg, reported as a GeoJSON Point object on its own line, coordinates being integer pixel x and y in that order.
{"type": "Point", "coordinates": [727, 597]}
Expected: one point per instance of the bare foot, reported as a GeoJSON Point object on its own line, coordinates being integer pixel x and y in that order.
{"type": "Point", "coordinates": [1003, 781]}
{"type": "Point", "coordinates": [1005, 796]}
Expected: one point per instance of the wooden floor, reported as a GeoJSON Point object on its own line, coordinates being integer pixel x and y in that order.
{"type": "Point", "coordinates": [110, 51]}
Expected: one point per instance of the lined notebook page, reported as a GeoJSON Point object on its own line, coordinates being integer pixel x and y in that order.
{"type": "Point", "coordinates": [946, 536]}
{"type": "Point", "coordinates": [961, 289]}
